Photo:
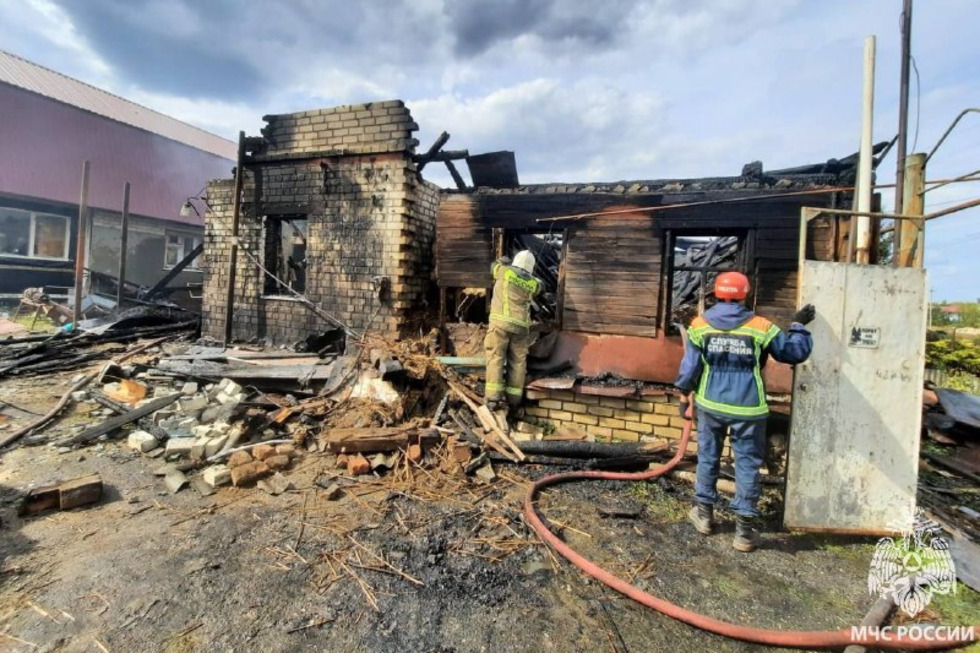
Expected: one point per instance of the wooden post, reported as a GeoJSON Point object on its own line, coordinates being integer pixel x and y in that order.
{"type": "Point", "coordinates": [912, 232]}
{"type": "Point", "coordinates": [80, 246]}
{"type": "Point", "coordinates": [123, 240]}
{"type": "Point", "coordinates": [233, 258]}
{"type": "Point", "coordinates": [443, 335]}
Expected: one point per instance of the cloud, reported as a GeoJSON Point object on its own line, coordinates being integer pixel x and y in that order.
{"type": "Point", "coordinates": [588, 130]}
{"type": "Point", "coordinates": [478, 25]}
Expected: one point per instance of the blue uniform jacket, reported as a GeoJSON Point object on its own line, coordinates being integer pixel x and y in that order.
{"type": "Point", "coordinates": [725, 352]}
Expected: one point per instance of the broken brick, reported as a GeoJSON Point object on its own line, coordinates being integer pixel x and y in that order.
{"type": "Point", "coordinates": [277, 462]}
{"type": "Point", "coordinates": [415, 452]}
{"type": "Point", "coordinates": [263, 451]}
{"type": "Point", "coordinates": [239, 458]}
{"type": "Point", "coordinates": [249, 473]}
{"type": "Point", "coordinates": [286, 449]}
{"type": "Point", "coordinates": [358, 465]}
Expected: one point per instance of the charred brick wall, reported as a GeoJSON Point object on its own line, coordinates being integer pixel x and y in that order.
{"type": "Point", "coordinates": [370, 225]}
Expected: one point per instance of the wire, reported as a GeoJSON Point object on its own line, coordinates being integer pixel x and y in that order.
{"type": "Point", "coordinates": [918, 101]}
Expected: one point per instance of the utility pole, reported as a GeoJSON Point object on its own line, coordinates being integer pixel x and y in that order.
{"type": "Point", "coordinates": [901, 147]}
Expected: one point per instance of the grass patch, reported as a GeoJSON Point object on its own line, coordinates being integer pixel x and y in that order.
{"type": "Point", "coordinates": [662, 506]}
{"type": "Point", "coordinates": [43, 324]}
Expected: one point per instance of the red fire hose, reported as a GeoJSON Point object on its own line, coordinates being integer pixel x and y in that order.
{"type": "Point", "coordinates": [946, 638]}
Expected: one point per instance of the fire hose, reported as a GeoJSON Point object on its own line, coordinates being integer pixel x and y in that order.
{"type": "Point", "coordinates": [781, 638]}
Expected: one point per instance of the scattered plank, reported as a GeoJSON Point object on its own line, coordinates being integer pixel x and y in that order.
{"type": "Point", "coordinates": [62, 496]}
{"type": "Point", "coordinates": [114, 423]}
{"type": "Point", "coordinates": [376, 440]}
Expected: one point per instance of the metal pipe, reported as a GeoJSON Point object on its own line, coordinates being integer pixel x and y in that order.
{"type": "Point", "coordinates": [863, 227]}
{"type": "Point", "coordinates": [950, 129]}
{"type": "Point", "coordinates": [123, 241]}
{"type": "Point", "coordinates": [80, 246]}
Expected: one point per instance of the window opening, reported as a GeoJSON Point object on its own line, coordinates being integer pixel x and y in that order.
{"type": "Point", "coordinates": [547, 249]}
{"type": "Point", "coordinates": [179, 246]}
{"type": "Point", "coordinates": [695, 262]}
{"type": "Point", "coordinates": [285, 253]}
{"type": "Point", "coordinates": [33, 235]}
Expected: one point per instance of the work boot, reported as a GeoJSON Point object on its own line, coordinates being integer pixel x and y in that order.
{"type": "Point", "coordinates": [746, 537]}
{"type": "Point", "coordinates": [703, 517]}
{"type": "Point", "coordinates": [494, 404]}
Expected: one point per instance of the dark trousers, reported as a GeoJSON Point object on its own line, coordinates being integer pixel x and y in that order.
{"type": "Point", "coordinates": [748, 439]}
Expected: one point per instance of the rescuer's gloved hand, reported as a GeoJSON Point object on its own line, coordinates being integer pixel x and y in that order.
{"type": "Point", "coordinates": [805, 315]}
{"type": "Point", "coordinates": [684, 406]}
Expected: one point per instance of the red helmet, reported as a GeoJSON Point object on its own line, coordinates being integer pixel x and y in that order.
{"type": "Point", "coordinates": [731, 285]}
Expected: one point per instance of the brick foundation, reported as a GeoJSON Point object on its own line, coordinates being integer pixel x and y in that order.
{"type": "Point", "coordinates": [612, 419]}
{"type": "Point", "coordinates": [370, 225]}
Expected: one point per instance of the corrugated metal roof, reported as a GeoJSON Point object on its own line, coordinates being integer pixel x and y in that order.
{"type": "Point", "coordinates": [29, 76]}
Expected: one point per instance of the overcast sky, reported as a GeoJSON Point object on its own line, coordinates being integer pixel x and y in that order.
{"type": "Point", "coordinates": [581, 90]}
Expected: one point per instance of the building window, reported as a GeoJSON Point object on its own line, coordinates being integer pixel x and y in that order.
{"type": "Point", "coordinates": [285, 254]}
{"type": "Point", "coordinates": [695, 260]}
{"type": "Point", "coordinates": [33, 235]}
{"type": "Point", "coordinates": [178, 247]}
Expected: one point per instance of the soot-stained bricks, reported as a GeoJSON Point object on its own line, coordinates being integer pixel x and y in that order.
{"type": "Point", "coordinates": [370, 221]}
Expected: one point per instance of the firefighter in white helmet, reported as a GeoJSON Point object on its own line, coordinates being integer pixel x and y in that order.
{"type": "Point", "coordinates": [509, 334]}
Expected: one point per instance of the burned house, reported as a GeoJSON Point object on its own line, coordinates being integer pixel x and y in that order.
{"type": "Point", "coordinates": [333, 209]}
{"type": "Point", "coordinates": [336, 227]}
{"type": "Point", "coordinates": [627, 265]}
{"type": "Point", "coordinates": [52, 123]}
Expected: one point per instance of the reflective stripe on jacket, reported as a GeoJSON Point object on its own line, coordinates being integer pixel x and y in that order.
{"type": "Point", "coordinates": [726, 350]}
{"type": "Point", "coordinates": [513, 291]}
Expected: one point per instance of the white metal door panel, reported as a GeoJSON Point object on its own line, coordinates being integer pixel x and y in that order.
{"type": "Point", "coordinates": [857, 403]}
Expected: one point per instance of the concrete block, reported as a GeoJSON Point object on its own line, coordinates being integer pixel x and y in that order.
{"type": "Point", "coordinates": [189, 389]}
{"type": "Point", "coordinates": [180, 447]}
{"type": "Point", "coordinates": [198, 447]}
{"type": "Point", "coordinates": [202, 431]}
{"type": "Point", "coordinates": [161, 416]}
{"type": "Point", "coordinates": [79, 396]}
{"type": "Point", "coordinates": [217, 475]}
{"type": "Point", "coordinates": [141, 441]}
{"type": "Point", "coordinates": [192, 404]}
{"type": "Point", "coordinates": [215, 444]}
{"type": "Point", "coordinates": [176, 480]}
{"type": "Point", "coordinates": [187, 422]}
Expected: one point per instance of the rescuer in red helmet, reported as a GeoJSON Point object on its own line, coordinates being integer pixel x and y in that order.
{"type": "Point", "coordinates": [726, 349]}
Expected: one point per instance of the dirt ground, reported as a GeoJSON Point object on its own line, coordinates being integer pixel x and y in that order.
{"type": "Point", "coordinates": [430, 563]}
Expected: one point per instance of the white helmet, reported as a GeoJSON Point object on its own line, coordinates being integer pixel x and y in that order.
{"type": "Point", "coordinates": [525, 261]}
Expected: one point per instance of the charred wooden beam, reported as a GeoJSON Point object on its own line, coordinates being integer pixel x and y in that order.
{"type": "Point", "coordinates": [118, 421]}
{"type": "Point", "coordinates": [423, 159]}
{"type": "Point", "coordinates": [177, 269]}
{"type": "Point", "coordinates": [458, 178]}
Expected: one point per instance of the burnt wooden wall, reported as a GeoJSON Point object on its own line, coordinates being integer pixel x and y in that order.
{"type": "Point", "coordinates": [613, 276]}
{"type": "Point", "coordinates": [464, 244]}
{"type": "Point", "coordinates": [614, 264]}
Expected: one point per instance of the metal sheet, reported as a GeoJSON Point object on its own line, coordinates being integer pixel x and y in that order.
{"type": "Point", "coordinates": [854, 448]}
{"type": "Point", "coordinates": [963, 407]}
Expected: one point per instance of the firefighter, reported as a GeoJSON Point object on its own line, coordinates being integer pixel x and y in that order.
{"type": "Point", "coordinates": [509, 334]}
{"type": "Point", "coordinates": [721, 370]}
